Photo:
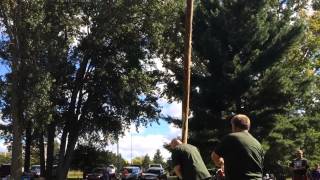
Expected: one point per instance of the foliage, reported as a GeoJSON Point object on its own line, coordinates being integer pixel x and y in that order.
{"type": "Point", "coordinates": [5, 158]}
{"type": "Point", "coordinates": [301, 129]}
{"type": "Point", "coordinates": [146, 161]}
{"type": "Point", "coordinates": [157, 158]}
{"type": "Point", "coordinates": [137, 161]}
{"type": "Point", "coordinates": [243, 62]}
{"type": "Point", "coordinates": [100, 75]}
{"type": "Point", "coordinates": [25, 97]}
{"type": "Point", "coordinates": [87, 157]}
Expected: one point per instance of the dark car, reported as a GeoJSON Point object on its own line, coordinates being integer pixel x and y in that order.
{"type": "Point", "coordinates": [4, 170]}
{"type": "Point", "coordinates": [96, 174]}
{"type": "Point", "coordinates": [154, 173]}
{"type": "Point", "coordinates": [130, 172]}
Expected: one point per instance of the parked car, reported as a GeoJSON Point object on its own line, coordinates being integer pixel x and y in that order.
{"type": "Point", "coordinates": [155, 165]}
{"type": "Point", "coordinates": [96, 174]}
{"type": "Point", "coordinates": [130, 172]}
{"type": "Point", "coordinates": [4, 170]}
{"type": "Point", "coordinates": [154, 173]}
{"type": "Point", "coordinates": [35, 170]}
{"type": "Point", "coordinates": [112, 170]}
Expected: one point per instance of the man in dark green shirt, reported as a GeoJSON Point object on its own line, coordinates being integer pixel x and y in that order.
{"type": "Point", "coordinates": [187, 162]}
{"type": "Point", "coordinates": [241, 154]}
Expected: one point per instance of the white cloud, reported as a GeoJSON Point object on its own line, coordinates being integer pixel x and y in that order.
{"type": "Point", "coordinates": [143, 144]}
{"type": "Point", "coordinates": [148, 139]}
{"type": "Point", "coordinates": [174, 131]}
{"type": "Point", "coordinates": [173, 109]}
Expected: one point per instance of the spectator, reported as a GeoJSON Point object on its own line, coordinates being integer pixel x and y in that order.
{"type": "Point", "coordinates": [106, 174]}
{"type": "Point", "coordinates": [299, 166]}
{"type": "Point", "coordinates": [187, 162]}
{"type": "Point", "coordinates": [220, 173]}
{"type": "Point", "coordinates": [240, 152]}
{"type": "Point", "coordinates": [315, 173]}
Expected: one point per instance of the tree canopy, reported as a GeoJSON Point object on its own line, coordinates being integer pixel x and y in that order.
{"type": "Point", "coordinates": [97, 57]}
{"type": "Point", "coordinates": [83, 72]}
{"type": "Point", "coordinates": [251, 57]}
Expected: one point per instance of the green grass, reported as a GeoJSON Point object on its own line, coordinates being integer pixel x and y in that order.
{"type": "Point", "coordinates": [75, 174]}
{"type": "Point", "coordinates": [172, 177]}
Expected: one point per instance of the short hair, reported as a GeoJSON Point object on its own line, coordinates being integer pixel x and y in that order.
{"type": "Point", "coordinates": [174, 142]}
{"type": "Point", "coordinates": [299, 151]}
{"type": "Point", "coordinates": [241, 121]}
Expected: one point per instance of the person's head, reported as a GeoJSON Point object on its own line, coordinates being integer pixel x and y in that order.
{"type": "Point", "coordinates": [175, 142]}
{"type": "Point", "coordinates": [240, 122]}
{"type": "Point", "coordinates": [299, 153]}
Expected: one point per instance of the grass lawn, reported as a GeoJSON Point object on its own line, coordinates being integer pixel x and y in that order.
{"type": "Point", "coordinates": [75, 174]}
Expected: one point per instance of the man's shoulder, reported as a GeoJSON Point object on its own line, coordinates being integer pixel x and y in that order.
{"type": "Point", "coordinates": [185, 146]}
{"type": "Point", "coordinates": [245, 138]}
{"type": "Point", "coordinates": [232, 137]}
{"type": "Point", "coordinates": [304, 160]}
{"type": "Point", "coordinates": [239, 135]}
{"type": "Point", "coordinates": [300, 159]}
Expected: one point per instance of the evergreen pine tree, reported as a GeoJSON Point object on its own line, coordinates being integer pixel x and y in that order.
{"type": "Point", "coordinates": [146, 161]}
{"type": "Point", "coordinates": [157, 158]}
{"type": "Point", "coordinates": [239, 49]}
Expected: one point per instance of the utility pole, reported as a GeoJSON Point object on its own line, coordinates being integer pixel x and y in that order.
{"type": "Point", "coordinates": [118, 156]}
{"type": "Point", "coordinates": [131, 148]}
{"type": "Point", "coordinates": [187, 65]}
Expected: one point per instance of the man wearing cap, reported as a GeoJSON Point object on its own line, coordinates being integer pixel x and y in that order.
{"type": "Point", "coordinates": [187, 162]}
{"type": "Point", "coordinates": [241, 154]}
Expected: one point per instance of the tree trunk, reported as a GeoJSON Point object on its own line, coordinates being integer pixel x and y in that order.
{"type": "Point", "coordinates": [27, 149]}
{"type": "Point", "coordinates": [42, 155]}
{"type": "Point", "coordinates": [17, 111]}
{"type": "Point", "coordinates": [72, 140]}
{"type": "Point", "coordinates": [17, 126]}
{"type": "Point", "coordinates": [50, 150]}
{"type": "Point", "coordinates": [62, 149]}
{"type": "Point", "coordinates": [72, 126]}
{"type": "Point", "coordinates": [16, 162]}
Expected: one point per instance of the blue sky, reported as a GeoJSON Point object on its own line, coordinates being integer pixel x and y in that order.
{"type": "Point", "coordinates": [150, 138]}
{"type": "Point", "coordinates": [3, 70]}
{"type": "Point", "coordinates": [147, 140]}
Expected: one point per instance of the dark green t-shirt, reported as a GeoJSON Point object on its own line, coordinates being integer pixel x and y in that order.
{"type": "Point", "coordinates": [243, 156]}
{"type": "Point", "coordinates": [300, 166]}
{"type": "Point", "coordinates": [192, 165]}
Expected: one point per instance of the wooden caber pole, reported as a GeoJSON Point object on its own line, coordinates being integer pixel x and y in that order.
{"type": "Point", "coordinates": [187, 65]}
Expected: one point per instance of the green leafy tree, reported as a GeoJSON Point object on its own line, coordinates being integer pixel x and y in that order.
{"type": "Point", "coordinates": [25, 96]}
{"type": "Point", "coordinates": [157, 158]}
{"type": "Point", "coordinates": [146, 161]}
{"type": "Point", "coordinates": [137, 161]}
{"type": "Point", "coordinates": [5, 158]}
{"type": "Point", "coordinates": [240, 49]}
{"type": "Point", "coordinates": [88, 157]}
{"type": "Point", "coordinates": [98, 85]}
{"type": "Point", "coordinates": [301, 128]}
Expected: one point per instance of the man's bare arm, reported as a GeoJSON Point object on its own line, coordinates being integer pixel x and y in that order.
{"type": "Point", "coordinates": [177, 170]}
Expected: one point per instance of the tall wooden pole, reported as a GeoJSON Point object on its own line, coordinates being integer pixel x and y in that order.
{"type": "Point", "coordinates": [187, 64]}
